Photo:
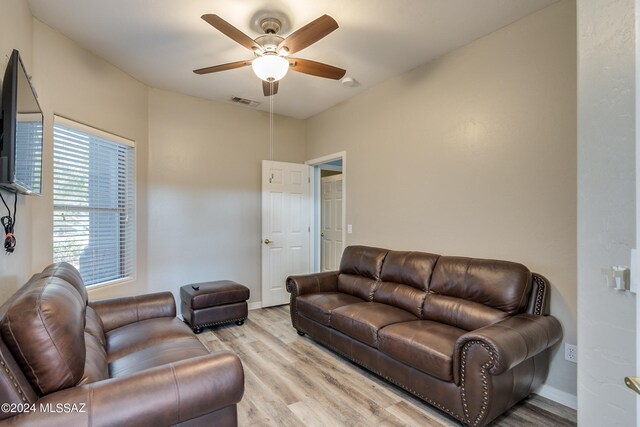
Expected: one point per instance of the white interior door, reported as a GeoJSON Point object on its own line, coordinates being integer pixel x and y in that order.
{"type": "Point", "coordinates": [331, 222]}
{"type": "Point", "coordinates": [286, 205]}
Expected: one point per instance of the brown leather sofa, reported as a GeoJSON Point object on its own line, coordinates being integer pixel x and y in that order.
{"type": "Point", "coordinates": [469, 336]}
{"type": "Point", "coordinates": [120, 362]}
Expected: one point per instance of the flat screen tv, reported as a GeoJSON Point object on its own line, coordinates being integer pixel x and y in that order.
{"type": "Point", "coordinates": [20, 132]}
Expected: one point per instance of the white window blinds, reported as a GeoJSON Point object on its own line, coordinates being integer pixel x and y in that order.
{"type": "Point", "coordinates": [29, 151]}
{"type": "Point", "coordinates": [93, 202]}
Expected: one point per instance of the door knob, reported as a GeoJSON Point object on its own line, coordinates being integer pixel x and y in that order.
{"type": "Point", "coordinates": [633, 383]}
{"type": "Point", "coordinates": [321, 234]}
{"type": "Point", "coordinates": [267, 241]}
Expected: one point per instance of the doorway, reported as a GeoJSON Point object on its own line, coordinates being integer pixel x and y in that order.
{"type": "Point", "coordinates": [331, 224]}
{"type": "Point", "coordinates": [291, 240]}
{"type": "Point", "coordinates": [286, 227]}
{"type": "Point", "coordinates": [328, 237]}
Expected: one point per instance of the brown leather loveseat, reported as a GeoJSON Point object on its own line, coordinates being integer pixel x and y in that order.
{"type": "Point", "coordinates": [469, 336]}
{"type": "Point", "coordinates": [120, 362]}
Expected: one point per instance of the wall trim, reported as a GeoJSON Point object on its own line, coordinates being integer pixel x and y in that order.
{"type": "Point", "coordinates": [255, 305]}
{"type": "Point", "coordinates": [559, 396]}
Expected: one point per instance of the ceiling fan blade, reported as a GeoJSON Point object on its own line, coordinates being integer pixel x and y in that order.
{"type": "Point", "coordinates": [309, 34]}
{"type": "Point", "coordinates": [230, 31]}
{"type": "Point", "coordinates": [267, 88]}
{"type": "Point", "coordinates": [222, 67]}
{"type": "Point", "coordinates": [316, 68]}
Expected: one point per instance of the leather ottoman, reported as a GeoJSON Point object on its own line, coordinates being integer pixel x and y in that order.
{"type": "Point", "coordinates": [212, 303]}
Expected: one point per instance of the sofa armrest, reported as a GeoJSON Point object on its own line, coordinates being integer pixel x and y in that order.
{"type": "Point", "coordinates": [164, 395]}
{"type": "Point", "coordinates": [309, 283]}
{"type": "Point", "coordinates": [119, 312]}
{"type": "Point", "coordinates": [506, 359]}
{"type": "Point", "coordinates": [509, 342]}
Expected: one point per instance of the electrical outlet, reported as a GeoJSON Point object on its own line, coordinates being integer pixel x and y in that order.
{"type": "Point", "coordinates": [571, 352]}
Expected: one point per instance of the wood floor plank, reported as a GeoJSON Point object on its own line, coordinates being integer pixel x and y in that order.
{"type": "Point", "coordinates": [294, 381]}
{"type": "Point", "coordinates": [555, 408]}
{"type": "Point", "coordinates": [407, 413]}
{"type": "Point", "coordinates": [312, 414]}
{"type": "Point", "coordinates": [336, 369]}
{"type": "Point", "coordinates": [266, 399]}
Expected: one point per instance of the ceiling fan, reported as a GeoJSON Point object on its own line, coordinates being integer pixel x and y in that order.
{"type": "Point", "coordinates": [272, 51]}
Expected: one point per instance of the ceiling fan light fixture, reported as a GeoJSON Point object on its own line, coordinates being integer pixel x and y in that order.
{"type": "Point", "coordinates": [270, 49]}
{"type": "Point", "coordinates": [270, 67]}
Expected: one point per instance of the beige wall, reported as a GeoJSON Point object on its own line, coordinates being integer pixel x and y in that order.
{"type": "Point", "coordinates": [16, 33]}
{"type": "Point", "coordinates": [204, 188]}
{"type": "Point", "coordinates": [607, 180]}
{"type": "Point", "coordinates": [473, 154]}
{"type": "Point", "coordinates": [76, 84]}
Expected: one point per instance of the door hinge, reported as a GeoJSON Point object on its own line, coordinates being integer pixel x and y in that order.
{"type": "Point", "coordinates": [308, 229]}
{"type": "Point", "coordinates": [309, 179]}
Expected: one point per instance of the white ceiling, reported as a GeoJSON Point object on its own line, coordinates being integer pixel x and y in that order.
{"type": "Point", "coordinates": [160, 42]}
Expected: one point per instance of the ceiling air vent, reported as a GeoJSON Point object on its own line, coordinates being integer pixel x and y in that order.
{"type": "Point", "coordinates": [245, 101]}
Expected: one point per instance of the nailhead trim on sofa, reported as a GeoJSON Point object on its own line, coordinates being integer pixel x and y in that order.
{"type": "Point", "coordinates": [542, 289]}
{"type": "Point", "coordinates": [12, 380]}
{"type": "Point", "coordinates": [485, 385]}
{"type": "Point", "coordinates": [206, 325]}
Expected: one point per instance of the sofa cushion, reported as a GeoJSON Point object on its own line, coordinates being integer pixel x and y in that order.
{"type": "Point", "coordinates": [93, 325]}
{"type": "Point", "coordinates": [363, 261]}
{"type": "Point", "coordinates": [44, 329]}
{"type": "Point", "coordinates": [150, 343]}
{"type": "Point", "coordinates": [405, 279]}
{"type": "Point", "coordinates": [319, 306]}
{"type": "Point", "coordinates": [463, 314]}
{"type": "Point", "coordinates": [402, 296]}
{"type": "Point", "coordinates": [69, 274]}
{"type": "Point", "coordinates": [422, 344]}
{"type": "Point", "coordinates": [499, 284]}
{"type": "Point", "coordinates": [96, 367]}
{"type": "Point", "coordinates": [363, 320]}
{"type": "Point", "coordinates": [409, 268]}
{"type": "Point", "coordinates": [358, 286]}
{"type": "Point", "coordinates": [146, 333]}
{"type": "Point", "coordinates": [157, 354]}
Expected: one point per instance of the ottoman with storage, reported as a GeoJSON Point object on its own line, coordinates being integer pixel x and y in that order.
{"type": "Point", "coordinates": [212, 303]}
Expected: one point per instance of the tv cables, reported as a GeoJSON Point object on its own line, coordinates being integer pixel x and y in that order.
{"type": "Point", "coordinates": [8, 223]}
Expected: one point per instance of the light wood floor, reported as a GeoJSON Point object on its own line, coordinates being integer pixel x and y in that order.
{"type": "Point", "coordinates": [294, 381]}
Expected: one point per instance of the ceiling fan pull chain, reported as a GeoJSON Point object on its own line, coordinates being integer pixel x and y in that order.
{"type": "Point", "coordinates": [271, 121]}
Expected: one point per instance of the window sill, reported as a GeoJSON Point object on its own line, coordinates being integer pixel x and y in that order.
{"type": "Point", "coordinates": [122, 281]}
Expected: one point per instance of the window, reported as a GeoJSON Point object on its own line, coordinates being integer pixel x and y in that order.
{"type": "Point", "coordinates": [93, 202]}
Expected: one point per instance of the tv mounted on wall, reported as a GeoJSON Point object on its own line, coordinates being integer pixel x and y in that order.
{"type": "Point", "coordinates": [20, 132]}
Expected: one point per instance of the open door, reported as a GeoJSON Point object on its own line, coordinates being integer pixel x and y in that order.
{"type": "Point", "coordinates": [286, 221]}
{"type": "Point", "coordinates": [327, 253]}
{"type": "Point", "coordinates": [331, 243]}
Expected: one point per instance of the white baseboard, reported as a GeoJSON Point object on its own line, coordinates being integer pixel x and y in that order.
{"type": "Point", "coordinates": [255, 305]}
{"type": "Point", "coordinates": [258, 304]}
{"type": "Point", "coordinates": [559, 396]}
